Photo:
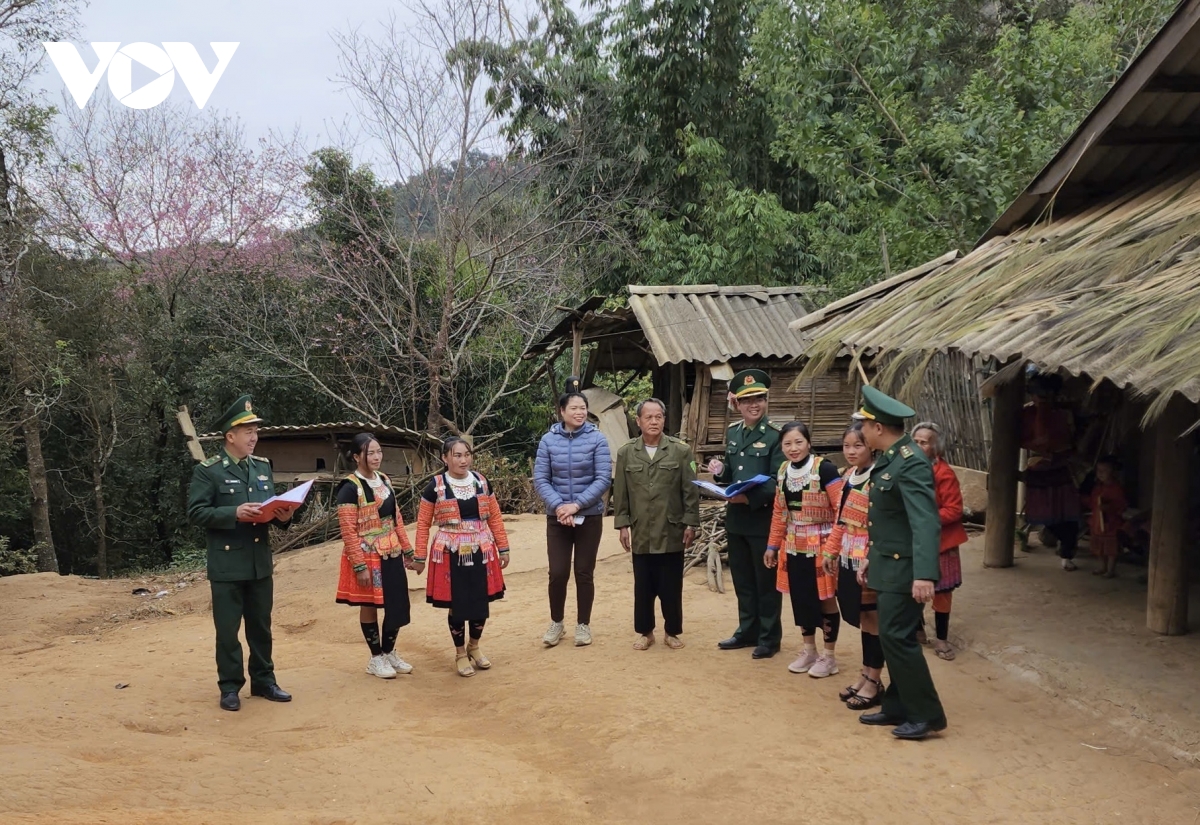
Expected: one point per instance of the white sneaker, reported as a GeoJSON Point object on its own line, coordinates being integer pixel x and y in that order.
{"type": "Point", "coordinates": [825, 665]}
{"type": "Point", "coordinates": [804, 661]}
{"type": "Point", "coordinates": [378, 666]}
{"type": "Point", "coordinates": [583, 635]}
{"type": "Point", "coordinates": [398, 664]}
{"type": "Point", "coordinates": [554, 634]}
{"type": "Point", "coordinates": [1068, 565]}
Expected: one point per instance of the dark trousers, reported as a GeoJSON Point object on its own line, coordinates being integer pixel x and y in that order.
{"type": "Point", "coordinates": [911, 695]}
{"type": "Point", "coordinates": [658, 575]}
{"type": "Point", "coordinates": [232, 602]}
{"type": "Point", "coordinates": [759, 603]}
{"type": "Point", "coordinates": [579, 543]}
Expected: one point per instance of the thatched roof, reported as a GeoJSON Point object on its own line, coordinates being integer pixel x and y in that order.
{"type": "Point", "coordinates": [1112, 292]}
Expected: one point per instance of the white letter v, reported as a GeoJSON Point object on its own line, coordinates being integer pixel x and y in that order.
{"type": "Point", "coordinates": [191, 68]}
{"type": "Point", "coordinates": [80, 82]}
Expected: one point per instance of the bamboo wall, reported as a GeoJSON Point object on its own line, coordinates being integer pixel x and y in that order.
{"type": "Point", "coordinates": [951, 398]}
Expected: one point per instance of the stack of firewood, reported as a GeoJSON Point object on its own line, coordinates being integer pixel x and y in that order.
{"type": "Point", "coordinates": [709, 547]}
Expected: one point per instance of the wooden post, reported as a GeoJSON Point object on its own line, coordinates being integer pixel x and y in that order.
{"type": "Point", "coordinates": [1002, 473]}
{"type": "Point", "coordinates": [189, 433]}
{"type": "Point", "coordinates": [576, 349]}
{"type": "Point", "coordinates": [1167, 590]}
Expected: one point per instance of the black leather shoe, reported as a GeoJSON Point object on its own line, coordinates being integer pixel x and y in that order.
{"type": "Point", "coordinates": [230, 701]}
{"type": "Point", "coordinates": [881, 719]}
{"type": "Point", "coordinates": [764, 652]}
{"type": "Point", "coordinates": [734, 643]}
{"type": "Point", "coordinates": [916, 731]}
{"type": "Point", "coordinates": [272, 692]}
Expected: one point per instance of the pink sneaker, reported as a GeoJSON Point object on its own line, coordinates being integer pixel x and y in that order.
{"type": "Point", "coordinates": [804, 661]}
{"type": "Point", "coordinates": [824, 666]}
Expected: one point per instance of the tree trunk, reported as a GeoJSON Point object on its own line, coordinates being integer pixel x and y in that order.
{"type": "Point", "coordinates": [101, 521]}
{"type": "Point", "coordinates": [47, 561]}
{"type": "Point", "coordinates": [1001, 527]}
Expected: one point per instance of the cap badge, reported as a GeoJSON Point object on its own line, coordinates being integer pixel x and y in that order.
{"type": "Point", "coordinates": [748, 380]}
{"type": "Point", "coordinates": [248, 408]}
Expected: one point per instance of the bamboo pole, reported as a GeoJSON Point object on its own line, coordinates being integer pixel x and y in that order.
{"type": "Point", "coordinates": [1002, 473]}
{"type": "Point", "coordinates": [1167, 590]}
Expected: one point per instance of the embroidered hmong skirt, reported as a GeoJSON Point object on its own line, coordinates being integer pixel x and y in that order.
{"type": "Point", "coordinates": [1050, 495]}
{"type": "Point", "coordinates": [950, 571]}
{"type": "Point", "coordinates": [464, 571]}
{"type": "Point", "coordinates": [807, 540]}
{"type": "Point", "coordinates": [388, 588]}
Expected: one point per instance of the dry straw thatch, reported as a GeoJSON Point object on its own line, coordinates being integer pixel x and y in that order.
{"type": "Point", "coordinates": [1110, 293]}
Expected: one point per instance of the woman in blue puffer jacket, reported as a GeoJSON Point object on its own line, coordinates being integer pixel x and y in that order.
{"type": "Point", "coordinates": [572, 472]}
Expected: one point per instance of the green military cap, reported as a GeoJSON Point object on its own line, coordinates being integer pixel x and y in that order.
{"type": "Point", "coordinates": [240, 412]}
{"type": "Point", "coordinates": [880, 407]}
{"type": "Point", "coordinates": [750, 383]}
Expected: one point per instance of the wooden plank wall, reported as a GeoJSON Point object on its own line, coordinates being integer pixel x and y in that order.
{"type": "Point", "coordinates": [950, 397]}
{"type": "Point", "coordinates": [825, 404]}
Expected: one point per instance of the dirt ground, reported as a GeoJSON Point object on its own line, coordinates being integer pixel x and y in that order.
{"type": "Point", "coordinates": [599, 734]}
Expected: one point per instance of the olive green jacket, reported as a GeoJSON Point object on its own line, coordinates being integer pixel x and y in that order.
{"type": "Point", "coordinates": [904, 527]}
{"type": "Point", "coordinates": [655, 496]}
{"type": "Point", "coordinates": [237, 550]}
{"type": "Point", "coordinates": [749, 452]}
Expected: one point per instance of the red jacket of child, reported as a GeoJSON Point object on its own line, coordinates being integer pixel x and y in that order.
{"type": "Point", "coordinates": [1107, 503]}
{"type": "Point", "coordinates": [950, 505]}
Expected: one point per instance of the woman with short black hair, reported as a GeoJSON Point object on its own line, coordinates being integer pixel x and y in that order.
{"type": "Point", "coordinates": [571, 473]}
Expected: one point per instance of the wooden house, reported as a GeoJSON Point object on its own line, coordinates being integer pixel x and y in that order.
{"type": "Point", "coordinates": [1093, 273]}
{"type": "Point", "coordinates": [691, 340]}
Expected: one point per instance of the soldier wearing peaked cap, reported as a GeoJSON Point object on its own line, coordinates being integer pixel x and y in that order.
{"type": "Point", "coordinates": [904, 532]}
{"type": "Point", "coordinates": [752, 447]}
{"type": "Point", "coordinates": [225, 498]}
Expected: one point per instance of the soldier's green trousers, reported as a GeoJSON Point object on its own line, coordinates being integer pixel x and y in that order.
{"type": "Point", "coordinates": [233, 601]}
{"type": "Point", "coordinates": [911, 695]}
{"type": "Point", "coordinates": [758, 601]}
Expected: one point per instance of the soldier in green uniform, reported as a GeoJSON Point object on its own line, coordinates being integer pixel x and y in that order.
{"type": "Point", "coordinates": [657, 509]}
{"type": "Point", "coordinates": [225, 499]}
{"type": "Point", "coordinates": [752, 447]}
{"type": "Point", "coordinates": [901, 565]}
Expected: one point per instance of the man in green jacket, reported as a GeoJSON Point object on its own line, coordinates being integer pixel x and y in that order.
{"type": "Point", "coordinates": [657, 510]}
{"type": "Point", "coordinates": [901, 565]}
{"type": "Point", "coordinates": [752, 447]}
{"type": "Point", "coordinates": [225, 499]}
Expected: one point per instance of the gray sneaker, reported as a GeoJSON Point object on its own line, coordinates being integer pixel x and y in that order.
{"type": "Point", "coordinates": [554, 634]}
{"type": "Point", "coordinates": [583, 635]}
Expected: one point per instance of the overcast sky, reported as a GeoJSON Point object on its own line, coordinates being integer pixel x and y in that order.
{"type": "Point", "coordinates": [280, 76]}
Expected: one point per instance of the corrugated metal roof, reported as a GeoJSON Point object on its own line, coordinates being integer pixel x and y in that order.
{"type": "Point", "coordinates": [713, 324]}
{"type": "Point", "coordinates": [1147, 123]}
{"type": "Point", "coordinates": [339, 426]}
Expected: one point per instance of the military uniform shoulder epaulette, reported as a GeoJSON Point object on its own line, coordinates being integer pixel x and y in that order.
{"type": "Point", "coordinates": [211, 460]}
{"type": "Point", "coordinates": [734, 424]}
{"type": "Point", "coordinates": [907, 451]}
{"type": "Point", "coordinates": [774, 426]}
{"type": "Point", "coordinates": [262, 458]}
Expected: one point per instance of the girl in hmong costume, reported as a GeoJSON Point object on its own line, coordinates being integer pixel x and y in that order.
{"type": "Point", "coordinates": [805, 504]}
{"type": "Point", "coordinates": [847, 547]}
{"type": "Point", "coordinates": [469, 550]}
{"type": "Point", "coordinates": [375, 550]}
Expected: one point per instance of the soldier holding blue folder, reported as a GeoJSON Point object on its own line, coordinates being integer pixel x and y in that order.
{"type": "Point", "coordinates": [752, 447]}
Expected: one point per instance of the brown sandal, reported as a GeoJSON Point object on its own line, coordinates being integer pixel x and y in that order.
{"type": "Point", "coordinates": [945, 653]}
{"type": "Point", "coordinates": [644, 642]}
{"type": "Point", "coordinates": [673, 642]}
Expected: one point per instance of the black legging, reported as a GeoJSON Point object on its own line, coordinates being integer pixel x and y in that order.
{"type": "Point", "coordinates": [458, 630]}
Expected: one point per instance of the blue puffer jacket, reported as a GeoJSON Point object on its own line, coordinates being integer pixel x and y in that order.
{"type": "Point", "coordinates": [573, 467]}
